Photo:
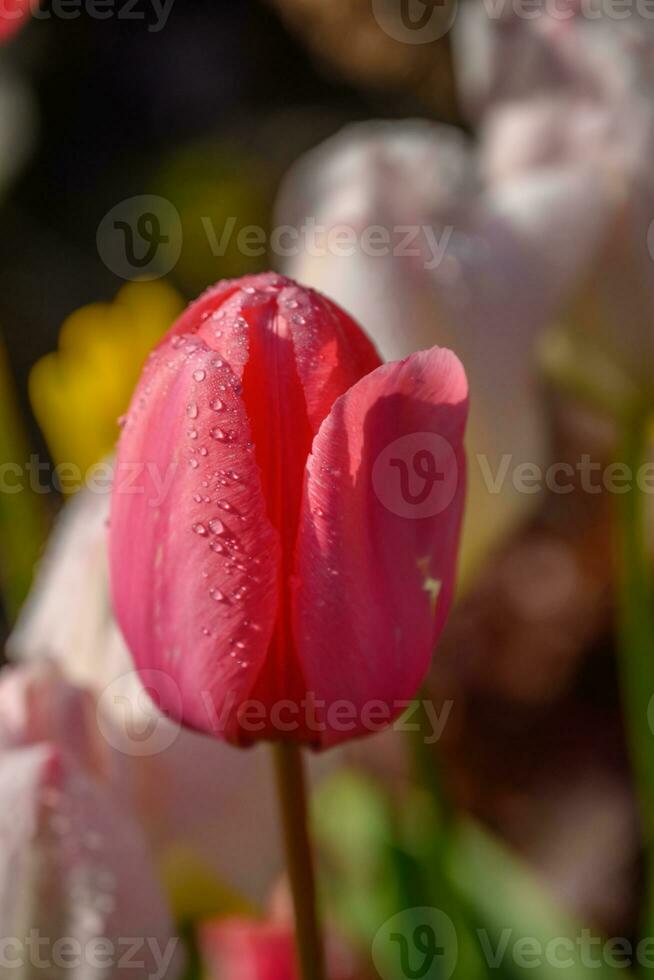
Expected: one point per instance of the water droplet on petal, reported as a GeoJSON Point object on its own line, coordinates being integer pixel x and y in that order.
{"type": "Point", "coordinates": [192, 410]}
{"type": "Point", "coordinates": [199, 375]}
{"type": "Point", "coordinates": [199, 529]}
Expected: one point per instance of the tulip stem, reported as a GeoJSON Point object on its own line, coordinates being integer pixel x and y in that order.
{"type": "Point", "coordinates": [637, 644]}
{"type": "Point", "coordinates": [293, 803]}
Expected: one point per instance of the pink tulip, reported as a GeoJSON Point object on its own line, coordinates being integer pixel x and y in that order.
{"type": "Point", "coordinates": [243, 949]}
{"type": "Point", "coordinates": [13, 16]}
{"type": "Point", "coordinates": [247, 949]}
{"type": "Point", "coordinates": [285, 517]}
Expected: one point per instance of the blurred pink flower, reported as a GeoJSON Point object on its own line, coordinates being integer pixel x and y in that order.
{"type": "Point", "coordinates": [251, 949]}
{"type": "Point", "coordinates": [14, 15]}
{"type": "Point", "coordinates": [76, 873]}
{"type": "Point", "coordinates": [244, 949]}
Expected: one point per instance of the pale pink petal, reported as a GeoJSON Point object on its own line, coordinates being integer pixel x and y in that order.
{"type": "Point", "coordinates": [76, 873]}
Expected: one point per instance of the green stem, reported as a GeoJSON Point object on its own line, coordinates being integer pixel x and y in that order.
{"type": "Point", "coordinates": [637, 644]}
{"type": "Point", "coordinates": [293, 802]}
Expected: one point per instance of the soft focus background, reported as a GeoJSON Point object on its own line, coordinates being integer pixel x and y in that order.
{"type": "Point", "coordinates": [524, 145]}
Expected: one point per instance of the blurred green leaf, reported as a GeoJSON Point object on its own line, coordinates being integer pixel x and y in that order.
{"type": "Point", "coordinates": [383, 855]}
{"type": "Point", "coordinates": [508, 905]}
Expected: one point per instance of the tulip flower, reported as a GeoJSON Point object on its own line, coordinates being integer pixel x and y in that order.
{"type": "Point", "coordinates": [285, 577]}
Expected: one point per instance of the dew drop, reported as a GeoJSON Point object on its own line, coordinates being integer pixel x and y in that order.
{"type": "Point", "coordinates": [216, 526]}
{"type": "Point", "coordinates": [199, 529]}
{"type": "Point", "coordinates": [199, 375]}
{"type": "Point", "coordinates": [192, 410]}
{"type": "Point", "coordinates": [219, 434]}
{"type": "Point", "coordinates": [217, 405]}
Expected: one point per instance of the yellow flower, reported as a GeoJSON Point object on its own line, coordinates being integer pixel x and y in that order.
{"type": "Point", "coordinates": [79, 392]}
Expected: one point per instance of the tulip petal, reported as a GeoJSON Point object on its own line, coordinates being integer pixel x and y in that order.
{"type": "Point", "coordinates": [376, 556]}
{"type": "Point", "coordinates": [195, 558]}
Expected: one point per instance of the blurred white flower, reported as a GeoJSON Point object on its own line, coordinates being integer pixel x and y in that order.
{"type": "Point", "coordinates": [489, 264]}
{"type": "Point", "coordinates": [580, 104]}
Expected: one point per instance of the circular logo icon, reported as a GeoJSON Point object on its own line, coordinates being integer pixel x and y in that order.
{"type": "Point", "coordinates": [141, 237]}
{"type": "Point", "coordinates": [418, 944]}
{"type": "Point", "coordinates": [415, 21]}
{"type": "Point", "coordinates": [129, 713]}
{"type": "Point", "coordinates": [416, 476]}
